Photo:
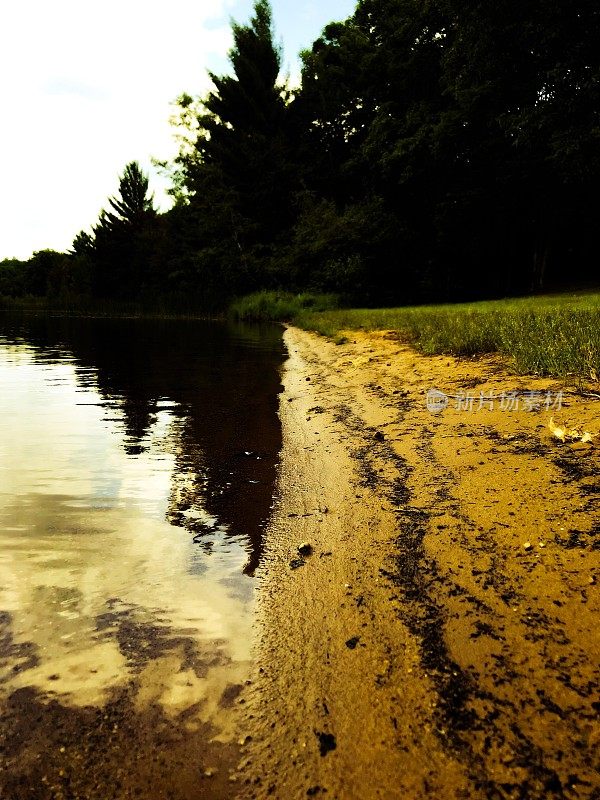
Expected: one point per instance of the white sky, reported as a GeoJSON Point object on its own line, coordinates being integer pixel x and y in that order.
{"type": "Point", "coordinates": [86, 88]}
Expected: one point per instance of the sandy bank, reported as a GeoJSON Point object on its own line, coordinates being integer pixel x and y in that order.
{"type": "Point", "coordinates": [442, 638]}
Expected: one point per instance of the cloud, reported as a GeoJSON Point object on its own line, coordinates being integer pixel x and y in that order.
{"type": "Point", "coordinates": [66, 86]}
{"type": "Point", "coordinates": [86, 88]}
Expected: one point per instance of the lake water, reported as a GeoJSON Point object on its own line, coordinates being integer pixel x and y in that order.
{"type": "Point", "coordinates": [137, 469]}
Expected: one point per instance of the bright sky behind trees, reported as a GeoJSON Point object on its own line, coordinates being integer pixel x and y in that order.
{"type": "Point", "coordinates": [86, 88]}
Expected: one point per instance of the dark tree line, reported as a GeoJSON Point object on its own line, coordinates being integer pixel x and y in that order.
{"type": "Point", "coordinates": [436, 149]}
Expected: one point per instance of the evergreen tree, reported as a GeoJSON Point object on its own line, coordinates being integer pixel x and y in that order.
{"type": "Point", "coordinates": [134, 204]}
{"type": "Point", "coordinates": [123, 246]}
{"type": "Point", "coordinates": [238, 177]}
{"type": "Point", "coordinates": [244, 128]}
{"type": "Point", "coordinates": [83, 244]}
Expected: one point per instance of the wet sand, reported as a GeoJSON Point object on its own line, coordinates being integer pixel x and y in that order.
{"type": "Point", "coordinates": [441, 639]}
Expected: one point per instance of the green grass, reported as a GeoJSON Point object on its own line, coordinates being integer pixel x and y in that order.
{"type": "Point", "coordinates": [279, 306]}
{"type": "Point", "coordinates": [553, 335]}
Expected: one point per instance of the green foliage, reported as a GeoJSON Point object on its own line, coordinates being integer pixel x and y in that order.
{"type": "Point", "coordinates": [471, 124]}
{"type": "Point", "coordinates": [47, 274]}
{"type": "Point", "coordinates": [12, 277]}
{"type": "Point", "coordinates": [279, 306]}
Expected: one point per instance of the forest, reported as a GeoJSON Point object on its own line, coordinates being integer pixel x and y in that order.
{"type": "Point", "coordinates": [434, 151]}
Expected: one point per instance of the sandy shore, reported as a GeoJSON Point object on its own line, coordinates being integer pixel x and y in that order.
{"type": "Point", "coordinates": [441, 640]}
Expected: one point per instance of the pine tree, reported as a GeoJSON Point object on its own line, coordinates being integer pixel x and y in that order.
{"type": "Point", "coordinates": [238, 176]}
{"type": "Point", "coordinates": [121, 244]}
{"type": "Point", "coordinates": [133, 205]}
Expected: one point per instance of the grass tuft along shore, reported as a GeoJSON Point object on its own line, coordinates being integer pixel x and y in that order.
{"type": "Point", "coordinates": [551, 335]}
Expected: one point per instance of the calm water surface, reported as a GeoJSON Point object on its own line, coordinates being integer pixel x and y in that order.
{"type": "Point", "coordinates": [137, 469]}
